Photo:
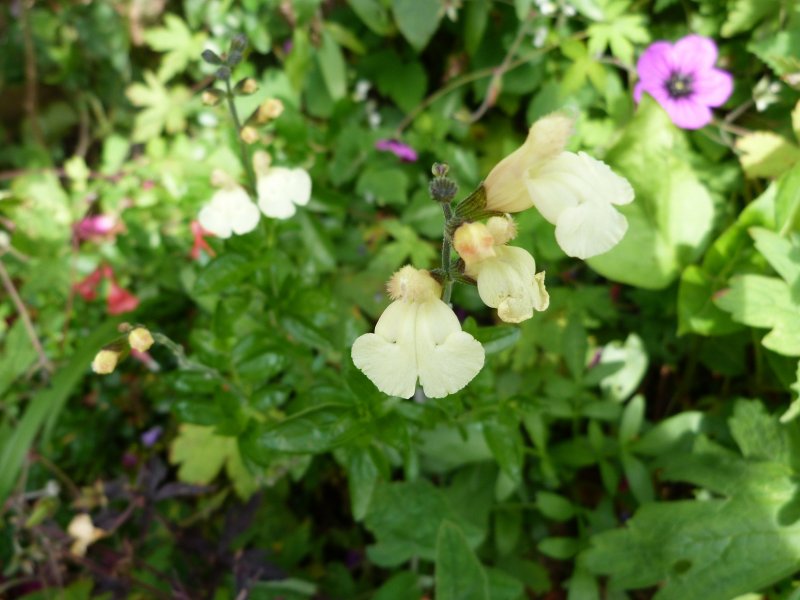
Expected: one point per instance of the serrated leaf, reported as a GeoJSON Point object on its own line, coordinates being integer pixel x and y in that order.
{"type": "Point", "coordinates": [620, 34]}
{"type": "Point", "coordinates": [779, 50]}
{"type": "Point", "coordinates": [713, 549]}
{"type": "Point", "coordinates": [178, 43]}
{"type": "Point", "coordinates": [757, 433]}
{"type": "Point", "coordinates": [765, 302]}
{"type": "Point", "coordinates": [201, 454]}
{"type": "Point", "coordinates": [163, 109]}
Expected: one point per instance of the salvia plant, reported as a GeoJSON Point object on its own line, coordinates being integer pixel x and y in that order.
{"type": "Point", "coordinates": [400, 299]}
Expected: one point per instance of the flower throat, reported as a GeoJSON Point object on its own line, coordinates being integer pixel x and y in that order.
{"type": "Point", "coordinates": [679, 85]}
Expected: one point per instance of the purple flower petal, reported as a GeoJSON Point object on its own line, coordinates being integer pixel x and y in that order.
{"type": "Point", "coordinates": [655, 63]}
{"type": "Point", "coordinates": [688, 114]}
{"type": "Point", "coordinates": [151, 436]}
{"type": "Point", "coordinates": [694, 53]}
{"type": "Point", "coordinates": [713, 87]}
{"type": "Point", "coordinates": [399, 149]}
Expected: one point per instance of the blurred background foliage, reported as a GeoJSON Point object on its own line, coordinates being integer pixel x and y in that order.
{"type": "Point", "coordinates": [636, 440]}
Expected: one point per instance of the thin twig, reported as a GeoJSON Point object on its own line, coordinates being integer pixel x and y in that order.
{"type": "Point", "coordinates": [494, 85]}
{"type": "Point", "coordinates": [248, 165]}
{"type": "Point", "coordinates": [31, 99]}
{"type": "Point", "coordinates": [44, 362]}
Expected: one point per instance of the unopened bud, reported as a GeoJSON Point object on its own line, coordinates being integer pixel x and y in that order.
{"type": "Point", "coordinates": [503, 229]}
{"type": "Point", "coordinates": [473, 242]}
{"type": "Point", "coordinates": [105, 362]}
{"type": "Point", "coordinates": [249, 135]}
{"type": "Point", "coordinates": [211, 57]}
{"type": "Point", "coordinates": [270, 109]}
{"type": "Point", "coordinates": [238, 43]}
{"type": "Point", "coordinates": [440, 169]}
{"type": "Point", "coordinates": [234, 58]}
{"type": "Point", "coordinates": [245, 87]}
{"type": "Point", "coordinates": [212, 97]}
{"type": "Point", "coordinates": [140, 339]}
{"type": "Point", "coordinates": [223, 73]}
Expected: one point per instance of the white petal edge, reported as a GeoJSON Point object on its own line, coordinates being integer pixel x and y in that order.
{"type": "Point", "coordinates": [590, 229]}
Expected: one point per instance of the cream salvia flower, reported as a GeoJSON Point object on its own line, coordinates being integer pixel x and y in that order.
{"type": "Point", "coordinates": [506, 275]}
{"type": "Point", "coordinates": [230, 209]}
{"type": "Point", "coordinates": [575, 192]}
{"type": "Point", "coordinates": [418, 337]}
{"type": "Point", "coordinates": [280, 189]}
{"type": "Point", "coordinates": [83, 532]}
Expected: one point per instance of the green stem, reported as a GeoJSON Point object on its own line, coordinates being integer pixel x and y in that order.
{"type": "Point", "coordinates": [248, 166]}
{"type": "Point", "coordinates": [446, 245]}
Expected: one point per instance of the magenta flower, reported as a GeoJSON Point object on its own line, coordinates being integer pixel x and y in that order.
{"type": "Point", "coordinates": [399, 149]}
{"type": "Point", "coordinates": [681, 77]}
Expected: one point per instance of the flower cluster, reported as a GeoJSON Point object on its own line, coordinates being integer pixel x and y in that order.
{"type": "Point", "coordinates": [118, 300]}
{"type": "Point", "coordinates": [279, 191]}
{"type": "Point", "coordinates": [418, 337]}
{"type": "Point", "coordinates": [137, 341]}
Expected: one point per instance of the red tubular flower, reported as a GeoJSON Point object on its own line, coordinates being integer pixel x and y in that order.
{"type": "Point", "coordinates": [87, 287]}
{"type": "Point", "coordinates": [120, 300]}
{"type": "Point", "coordinates": [199, 241]}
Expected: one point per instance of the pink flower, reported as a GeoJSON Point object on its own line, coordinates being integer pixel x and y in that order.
{"type": "Point", "coordinates": [95, 226]}
{"type": "Point", "coordinates": [87, 287]}
{"type": "Point", "coordinates": [681, 77]}
{"type": "Point", "coordinates": [120, 300]}
{"type": "Point", "coordinates": [399, 149]}
{"type": "Point", "coordinates": [199, 241]}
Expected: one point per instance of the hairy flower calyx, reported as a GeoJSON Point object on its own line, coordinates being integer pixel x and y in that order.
{"type": "Point", "coordinates": [413, 285]}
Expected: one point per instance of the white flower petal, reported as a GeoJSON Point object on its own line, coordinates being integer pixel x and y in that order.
{"type": "Point", "coordinates": [447, 358]}
{"type": "Point", "coordinates": [590, 229]}
{"type": "Point", "coordinates": [388, 356]}
{"type": "Point", "coordinates": [602, 184]}
{"type": "Point", "coordinates": [556, 185]}
{"type": "Point", "coordinates": [280, 189]}
{"type": "Point", "coordinates": [212, 218]}
{"type": "Point", "coordinates": [244, 217]}
{"type": "Point", "coordinates": [510, 284]}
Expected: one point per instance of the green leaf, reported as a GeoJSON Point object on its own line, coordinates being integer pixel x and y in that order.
{"type": "Point", "coordinates": [633, 361]}
{"type": "Point", "coordinates": [782, 254]}
{"type": "Point", "coordinates": [459, 574]}
{"type": "Point", "coordinates": [560, 548]}
{"type": "Point", "coordinates": [670, 220]}
{"type": "Point", "coordinates": [201, 454]}
{"type": "Point", "coordinates": [620, 33]}
{"type": "Point", "coordinates": [179, 44]}
{"type": "Point", "coordinates": [554, 507]}
{"type": "Point", "coordinates": [697, 312]}
{"type": "Point", "coordinates": [670, 433]}
{"type": "Point", "coordinates": [766, 154]}
{"type": "Point", "coordinates": [505, 442]}
{"type": "Point", "coordinates": [332, 66]}
{"type": "Point", "coordinates": [787, 202]}
{"type": "Point", "coordinates": [759, 301]}
{"type": "Point", "coordinates": [417, 21]}
{"type": "Point", "coordinates": [45, 407]}
{"type": "Point", "coordinates": [405, 82]}
{"type": "Point", "coordinates": [18, 356]}
{"type": "Point", "coordinates": [374, 15]}
{"type": "Point", "coordinates": [400, 586]}
{"type": "Point", "coordinates": [747, 13]}
{"type": "Point", "coordinates": [715, 548]}
{"type": "Point", "coordinates": [758, 434]}
{"type": "Point", "coordinates": [163, 109]}
{"type": "Point", "coordinates": [632, 419]}
{"type": "Point", "coordinates": [362, 476]}
{"type": "Point", "coordinates": [476, 17]}
{"type": "Point", "coordinates": [780, 50]}
{"type": "Point", "coordinates": [314, 430]}
{"type": "Point", "coordinates": [405, 518]}
{"type": "Point", "coordinates": [383, 185]}
{"type": "Point", "coordinates": [638, 477]}
{"type": "Point", "coordinates": [223, 273]}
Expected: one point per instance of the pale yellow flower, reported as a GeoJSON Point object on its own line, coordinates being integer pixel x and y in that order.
{"type": "Point", "coordinates": [105, 362]}
{"type": "Point", "coordinates": [418, 337]}
{"type": "Point", "coordinates": [140, 339]}
{"type": "Point", "coordinates": [280, 189]}
{"type": "Point", "coordinates": [506, 275]}
{"type": "Point", "coordinates": [575, 192]}
{"type": "Point", "coordinates": [83, 532]}
{"type": "Point", "coordinates": [230, 210]}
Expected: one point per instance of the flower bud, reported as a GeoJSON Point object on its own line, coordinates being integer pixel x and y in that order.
{"type": "Point", "coordinates": [238, 43]}
{"type": "Point", "coordinates": [140, 339]}
{"type": "Point", "coordinates": [211, 57]}
{"type": "Point", "coordinates": [270, 109]}
{"type": "Point", "coordinates": [212, 97]}
{"type": "Point", "coordinates": [245, 87]}
{"type": "Point", "coordinates": [105, 362]}
{"type": "Point", "coordinates": [442, 189]}
{"type": "Point", "coordinates": [223, 73]}
{"type": "Point", "coordinates": [249, 135]}
{"type": "Point", "coordinates": [234, 58]}
{"type": "Point", "coordinates": [473, 242]}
